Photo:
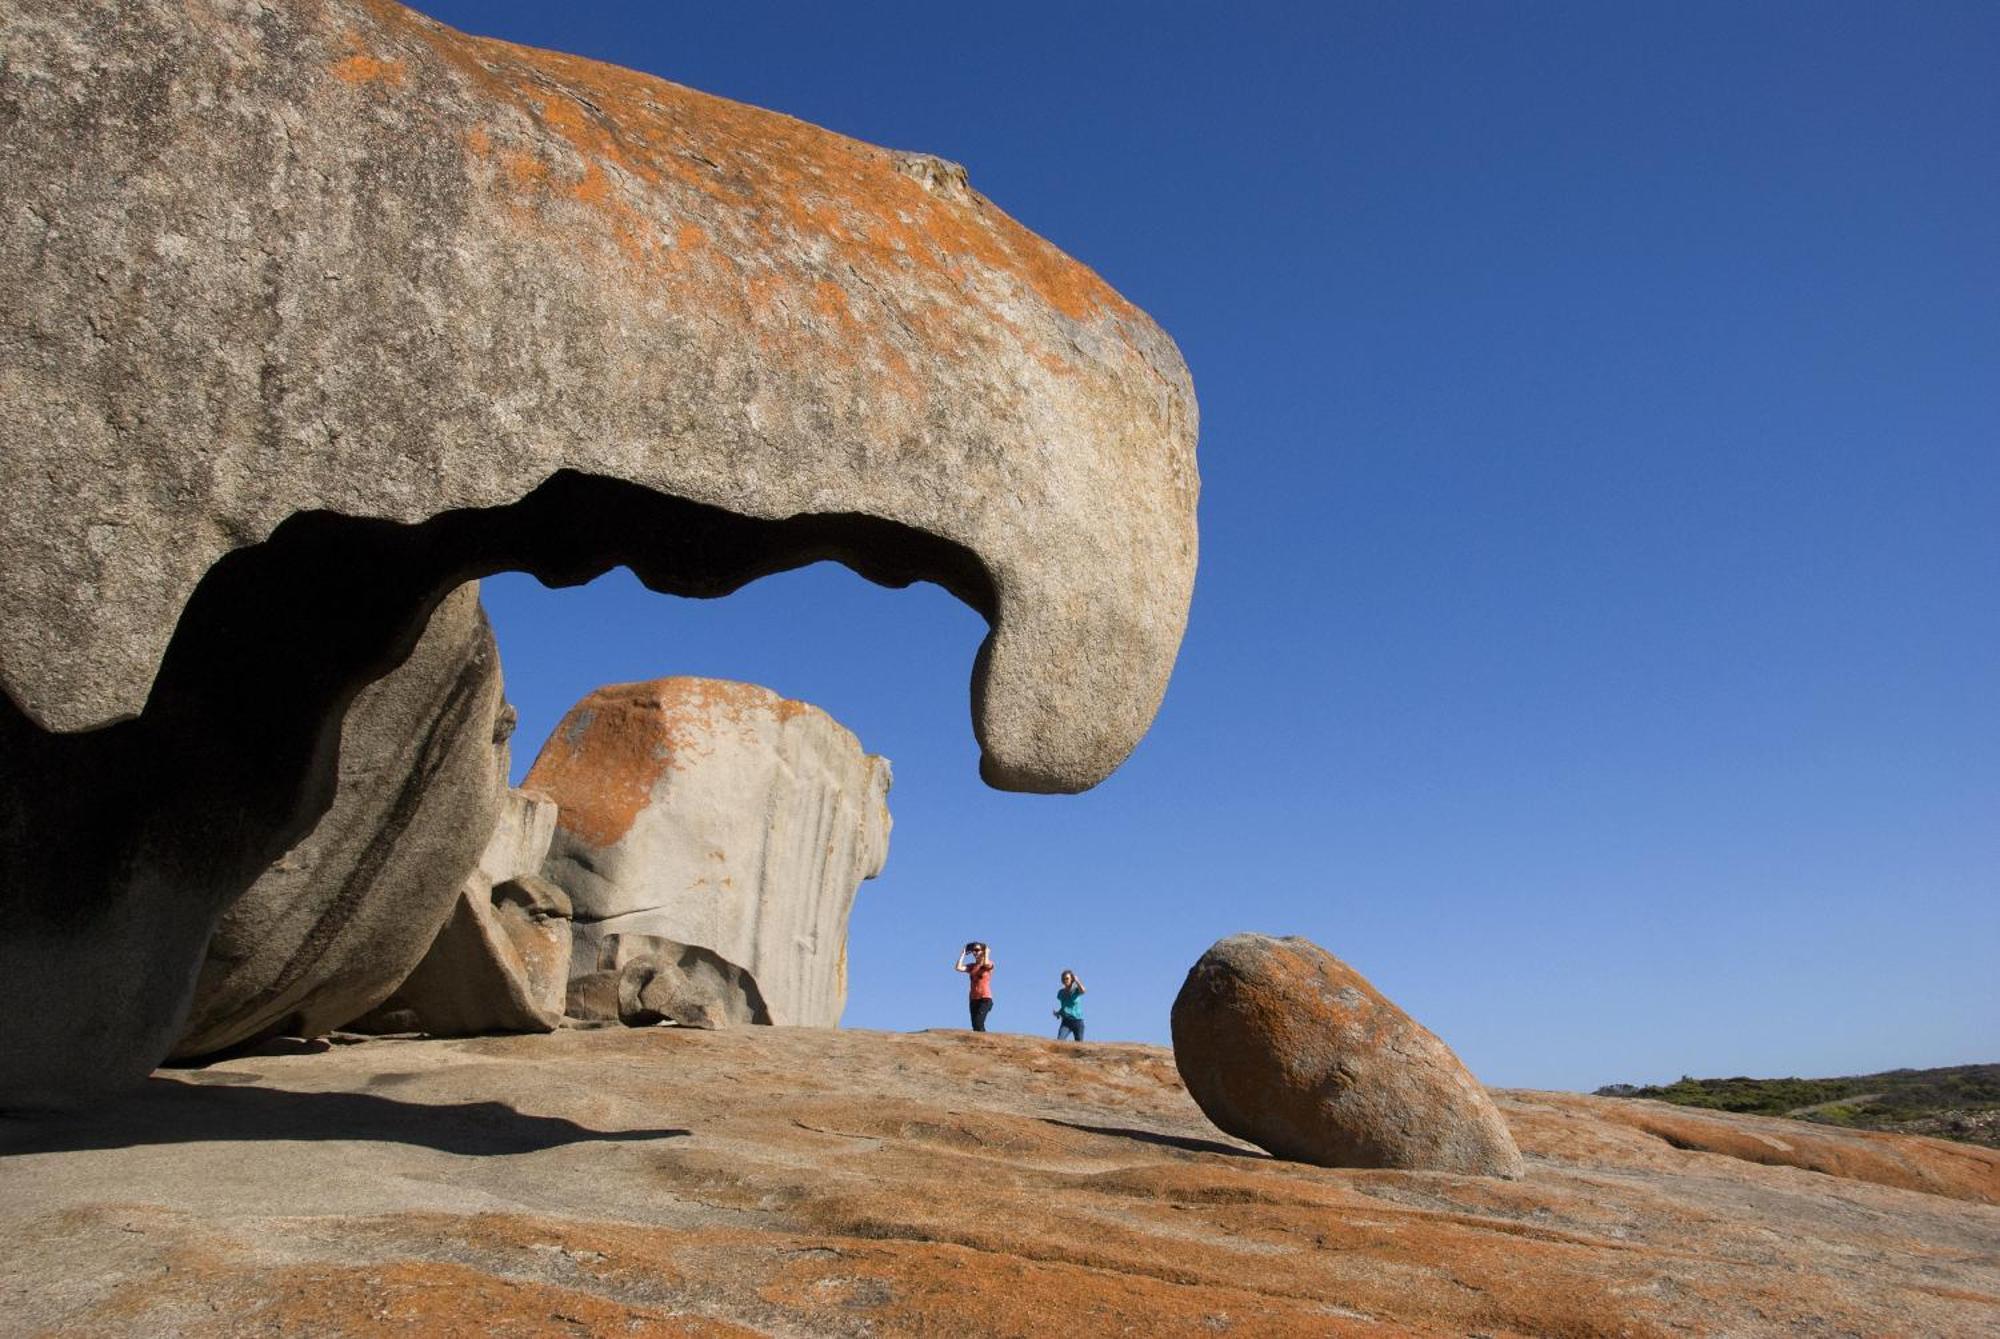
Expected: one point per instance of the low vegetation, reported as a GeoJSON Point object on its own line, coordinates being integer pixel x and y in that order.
{"type": "Point", "coordinates": [1956, 1102]}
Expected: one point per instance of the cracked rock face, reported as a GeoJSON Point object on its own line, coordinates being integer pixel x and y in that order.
{"type": "Point", "coordinates": [1285, 1045]}
{"type": "Point", "coordinates": [311, 313]}
{"type": "Point", "coordinates": [720, 815]}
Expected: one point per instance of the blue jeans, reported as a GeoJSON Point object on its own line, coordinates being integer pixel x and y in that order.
{"type": "Point", "coordinates": [1073, 1026]}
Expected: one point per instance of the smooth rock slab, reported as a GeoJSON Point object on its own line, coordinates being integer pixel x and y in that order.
{"type": "Point", "coordinates": [336, 924]}
{"type": "Point", "coordinates": [1285, 1045]}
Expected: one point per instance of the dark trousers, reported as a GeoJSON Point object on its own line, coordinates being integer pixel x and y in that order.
{"type": "Point", "coordinates": [1073, 1026]}
{"type": "Point", "coordinates": [980, 1008]}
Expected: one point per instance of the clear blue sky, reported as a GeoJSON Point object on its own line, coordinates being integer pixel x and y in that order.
{"type": "Point", "coordinates": [1599, 617]}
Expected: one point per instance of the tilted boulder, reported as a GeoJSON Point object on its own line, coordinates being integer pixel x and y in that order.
{"type": "Point", "coordinates": [501, 961]}
{"type": "Point", "coordinates": [311, 312]}
{"type": "Point", "coordinates": [342, 918]}
{"type": "Point", "coordinates": [1285, 1045]}
{"type": "Point", "coordinates": [719, 815]}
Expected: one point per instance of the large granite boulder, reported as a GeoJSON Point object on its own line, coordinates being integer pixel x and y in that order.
{"type": "Point", "coordinates": [719, 815]}
{"type": "Point", "coordinates": [1285, 1045]}
{"type": "Point", "coordinates": [340, 920]}
{"type": "Point", "coordinates": [501, 961]}
{"type": "Point", "coordinates": [310, 313]}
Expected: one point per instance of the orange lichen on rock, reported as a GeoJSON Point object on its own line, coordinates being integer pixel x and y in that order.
{"type": "Point", "coordinates": [814, 1181]}
{"type": "Point", "coordinates": [367, 70]}
{"type": "Point", "coordinates": [611, 750]}
{"type": "Point", "coordinates": [781, 180]}
{"type": "Point", "coordinates": [362, 67]}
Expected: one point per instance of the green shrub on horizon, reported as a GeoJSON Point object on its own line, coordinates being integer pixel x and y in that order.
{"type": "Point", "coordinates": [1892, 1096]}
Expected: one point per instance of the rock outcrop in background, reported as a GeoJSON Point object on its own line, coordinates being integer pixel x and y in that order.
{"type": "Point", "coordinates": [310, 314]}
{"type": "Point", "coordinates": [718, 815]}
{"type": "Point", "coordinates": [645, 980]}
{"type": "Point", "coordinates": [1285, 1045]}
{"type": "Point", "coordinates": [735, 828]}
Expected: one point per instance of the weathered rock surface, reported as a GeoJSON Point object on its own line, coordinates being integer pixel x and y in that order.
{"type": "Point", "coordinates": [641, 980]}
{"type": "Point", "coordinates": [332, 928]}
{"type": "Point", "coordinates": [501, 961]}
{"type": "Point", "coordinates": [1287, 1046]}
{"type": "Point", "coordinates": [338, 257]}
{"type": "Point", "coordinates": [310, 313]}
{"type": "Point", "coordinates": [780, 1181]}
{"type": "Point", "coordinates": [719, 815]}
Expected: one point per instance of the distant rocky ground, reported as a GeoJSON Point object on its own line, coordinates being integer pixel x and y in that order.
{"type": "Point", "coordinates": [801, 1181]}
{"type": "Point", "coordinates": [1954, 1102]}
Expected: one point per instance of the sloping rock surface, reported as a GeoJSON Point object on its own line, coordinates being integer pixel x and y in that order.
{"type": "Point", "coordinates": [791, 1182]}
{"type": "Point", "coordinates": [337, 924]}
{"type": "Point", "coordinates": [720, 815]}
{"type": "Point", "coordinates": [1287, 1046]}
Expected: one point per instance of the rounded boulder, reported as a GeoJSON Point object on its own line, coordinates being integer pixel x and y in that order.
{"type": "Point", "coordinates": [1285, 1045]}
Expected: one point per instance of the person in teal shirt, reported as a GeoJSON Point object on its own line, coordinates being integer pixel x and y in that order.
{"type": "Point", "coordinates": [1069, 1007]}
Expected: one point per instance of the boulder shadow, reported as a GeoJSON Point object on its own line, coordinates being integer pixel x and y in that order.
{"type": "Point", "coordinates": [169, 1112]}
{"type": "Point", "coordinates": [1167, 1140]}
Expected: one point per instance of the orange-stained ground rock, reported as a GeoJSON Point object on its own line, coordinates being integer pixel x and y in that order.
{"type": "Point", "coordinates": [807, 1182]}
{"type": "Point", "coordinates": [1287, 1046]}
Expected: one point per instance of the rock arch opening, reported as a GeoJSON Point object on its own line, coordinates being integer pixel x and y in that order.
{"type": "Point", "coordinates": [125, 843]}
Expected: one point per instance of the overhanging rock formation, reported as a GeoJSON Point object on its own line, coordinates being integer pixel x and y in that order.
{"type": "Point", "coordinates": [699, 812]}
{"type": "Point", "coordinates": [343, 259]}
{"type": "Point", "coordinates": [309, 313]}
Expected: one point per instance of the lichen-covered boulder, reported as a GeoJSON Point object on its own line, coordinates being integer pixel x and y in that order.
{"type": "Point", "coordinates": [1285, 1045]}
{"type": "Point", "coordinates": [310, 313]}
{"type": "Point", "coordinates": [331, 929]}
{"type": "Point", "coordinates": [721, 815]}
{"type": "Point", "coordinates": [500, 963]}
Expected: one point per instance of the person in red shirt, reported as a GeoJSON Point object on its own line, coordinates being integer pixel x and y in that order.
{"type": "Point", "coordinates": [977, 964]}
